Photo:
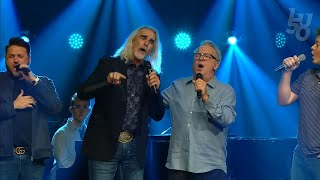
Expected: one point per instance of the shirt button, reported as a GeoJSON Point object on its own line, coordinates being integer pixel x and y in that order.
{"type": "Point", "coordinates": [189, 125]}
{"type": "Point", "coordinates": [191, 112]}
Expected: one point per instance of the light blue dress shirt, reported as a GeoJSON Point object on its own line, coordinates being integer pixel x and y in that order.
{"type": "Point", "coordinates": [63, 142]}
{"type": "Point", "coordinates": [199, 130]}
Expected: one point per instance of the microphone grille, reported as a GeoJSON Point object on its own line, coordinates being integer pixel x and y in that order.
{"type": "Point", "coordinates": [199, 75]}
{"type": "Point", "coordinates": [17, 67]}
{"type": "Point", "coordinates": [147, 67]}
{"type": "Point", "coordinates": [302, 57]}
{"type": "Point", "coordinates": [147, 64]}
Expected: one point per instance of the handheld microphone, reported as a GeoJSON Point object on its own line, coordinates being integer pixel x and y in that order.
{"type": "Point", "coordinates": [24, 70]}
{"type": "Point", "coordinates": [199, 76]}
{"type": "Point", "coordinates": [301, 57]}
{"type": "Point", "coordinates": [149, 68]}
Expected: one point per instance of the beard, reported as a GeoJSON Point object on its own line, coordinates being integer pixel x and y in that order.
{"type": "Point", "coordinates": [139, 55]}
{"type": "Point", "coordinates": [12, 72]}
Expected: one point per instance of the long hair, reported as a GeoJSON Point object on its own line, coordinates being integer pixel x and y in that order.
{"type": "Point", "coordinates": [155, 57]}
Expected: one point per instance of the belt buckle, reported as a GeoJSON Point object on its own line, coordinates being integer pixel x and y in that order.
{"type": "Point", "coordinates": [20, 150]}
{"type": "Point", "coordinates": [125, 137]}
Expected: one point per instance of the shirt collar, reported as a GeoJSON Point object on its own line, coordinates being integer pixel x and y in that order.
{"type": "Point", "coordinates": [72, 126]}
{"type": "Point", "coordinates": [316, 71]}
{"type": "Point", "coordinates": [15, 78]}
{"type": "Point", "coordinates": [131, 63]}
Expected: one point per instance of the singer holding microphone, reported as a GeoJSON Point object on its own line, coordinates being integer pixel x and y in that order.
{"type": "Point", "coordinates": [26, 103]}
{"type": "Point", "coordinates": [126, 92]}
{"type": "Point", "coordinates": [305, 90]}
{"type": "Point", "coordinates": [201, 108]}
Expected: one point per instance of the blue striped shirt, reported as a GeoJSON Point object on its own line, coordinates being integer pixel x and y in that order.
{"type": "Point", "coordinates": [307, 87]}
{"type": "Point", "coordinates": [199, 130]}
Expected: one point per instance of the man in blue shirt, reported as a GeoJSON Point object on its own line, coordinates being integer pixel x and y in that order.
{"type": "Point", "coordinates": [26, 103]}
{"type": "Point", "coordinates": [305, 90]}
{"type": "Point", "coordinates": [63, 141]}
{"type": "Point", "coordinates": [202, 108]}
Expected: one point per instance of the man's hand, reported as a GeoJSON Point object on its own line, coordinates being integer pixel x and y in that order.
{"type": "Point", "coordinates": [292, 63]}
{"type": "Point", "coordinates": [201, 85]}
{"type": "Point", "coordinates": [23, 102]}
{"type": "Point", "coordinates": [30, 77]}
{"type": "Point", "coordinates": [153, 79]}
{"type": "Point", "coordinates": [115, 78]}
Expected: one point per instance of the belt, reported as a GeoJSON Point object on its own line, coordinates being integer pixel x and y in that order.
{"type": "Point", "coordinates": [19, 150]}
{"type": "Point", "coordinates": [125, 137]}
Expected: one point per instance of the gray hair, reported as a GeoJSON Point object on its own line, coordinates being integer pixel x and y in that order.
{"type": "Point", "coordinates": [214, 46]}
{"type": "Point", "coordinates": [155, 57]}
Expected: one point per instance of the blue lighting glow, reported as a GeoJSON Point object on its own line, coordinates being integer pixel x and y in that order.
{"type": "Point", "coordinates": [232, 40]}
{"type": "Point", "coordinates": [2, 64]}
{"type": "Point", "coordinates": [25, 38]}
{"type": "Point", "coordinates": [280, 40]}
{"type": "Point", "coordinates": [76, 41]}
{"type": "Point", "coordinates": [182, 40]}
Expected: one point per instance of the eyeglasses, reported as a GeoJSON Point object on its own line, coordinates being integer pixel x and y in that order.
{"type": "Point", "coordinates": [205, 56]}
{"type": "Point", "coordinates": [81, 107]}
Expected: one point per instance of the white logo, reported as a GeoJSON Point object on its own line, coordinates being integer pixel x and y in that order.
{"type": "Point", "coordinates": [296, 24]}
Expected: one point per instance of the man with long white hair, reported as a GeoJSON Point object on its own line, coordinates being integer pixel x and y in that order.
{"type": "Point", "coordinates": [126, 92]}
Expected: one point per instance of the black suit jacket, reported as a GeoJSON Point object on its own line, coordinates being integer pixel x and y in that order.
{"type": "Point", "coordinates": [101, 138]}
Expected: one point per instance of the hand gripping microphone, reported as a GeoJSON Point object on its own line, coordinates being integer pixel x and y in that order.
{"type": "Point", "coordinates": [301, 57]}
{"type": "Point", "coordinates": [149, 69]}
{"type": "Point", "coordinates": [24, 70]}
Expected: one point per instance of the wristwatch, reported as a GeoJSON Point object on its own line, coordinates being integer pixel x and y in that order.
{"type": "Point", "coordinates": [35, 82]}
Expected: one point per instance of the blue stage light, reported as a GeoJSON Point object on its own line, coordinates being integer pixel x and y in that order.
{"type": "Point", "coordinates": [76, 41]}
{"type": "Point", "coordinates": [182, 40]}
{"type": "Point", "coordinates": [25, 38]}
{"type": "Point", "coordinates": [232, 40]}
{"type": "Point", "coordinates": [280, 40]}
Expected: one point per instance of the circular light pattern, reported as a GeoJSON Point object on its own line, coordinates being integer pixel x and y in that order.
{"type": "Point", "coordinates": [76, 41]}
{"type": "Point", "coordinates": [280, 40]}
{"type": "Point", "coordinates": [232, 40]}
{"type": "Point", "coordinates": [182, 40]}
